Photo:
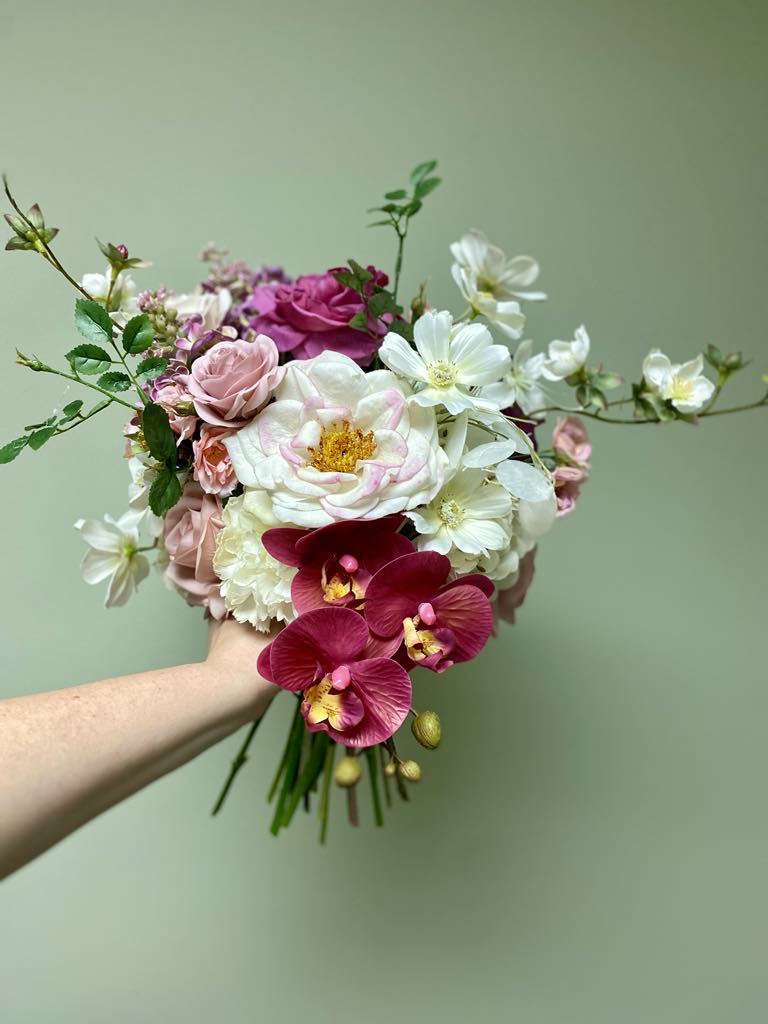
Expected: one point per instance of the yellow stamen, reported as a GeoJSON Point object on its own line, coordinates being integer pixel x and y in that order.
{"type": "Point", "coordinates": [420, 643]}
{"type": "Point", "coordinates": [341, 448]}
{"type": "Point", "coordinates": [323, 705]}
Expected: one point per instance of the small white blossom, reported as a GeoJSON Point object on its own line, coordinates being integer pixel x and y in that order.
{"type": "Point", "coordinates": [566, 357]}
{"type": "Point", "coordinates": [114, 554]}
{"type": "Point", "coordinates": [448, 361]}
{"type": "Point", "coordinates": [491, 283]}
{"type": "Point", "coordinates": [685, 386]}
{"type": "Point", "coordinates": [521, 383]}
{"type": "Point", "coordinates": [123, 303]}
{"type": "Point", "coordinates": [256, 587]}
{"type": "Point", "coordinates": [143, 474]}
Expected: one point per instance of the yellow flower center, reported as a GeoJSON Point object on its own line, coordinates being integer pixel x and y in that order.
{"type": "Point", "coordinates": [341, 447]}
{"type": "Point", "coordinates": [451, 512]}
{"type": "Point", "coordinates": [441, 374]}
{"type": "Point", "coordinates": [323, 705]}
{"type": "Point", "coordinates": [419, 643]}
{"type": "Point", "coordinates": [680, 390]}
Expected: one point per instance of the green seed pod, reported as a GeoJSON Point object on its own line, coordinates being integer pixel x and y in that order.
{"type": "Point", "coordinates": [348, 772]}
{"type": "Point", "coordinates": [427, 730]}
{"type": "Point", "coordinates": [410, 770]}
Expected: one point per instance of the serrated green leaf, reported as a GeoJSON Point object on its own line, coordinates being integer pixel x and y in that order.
{"type": "Point", "coordinates": [422, 170]}
{"type": "Point", "coordinates": [382, 302]}
{"type": "Point", "coordinates": [92, 320]}
{"type": "Point", "coordinates": [10, 451]}
{"type": "Point", "coordinates": [160, 439]}
{"type": "Point", "coordinates": [164, 492]}
{"type": "Point", "coordinates": [348, 279]}
{"type": "Point", "coordinates": [72, 409]}
{"type": "Point", "coordinates": [359, 321]}
{"type": "Point", "coordinates": [89, 360]}
{"type": "Point", "coordinates": [403, 328]}
{"type": "Point", "coordinates": [138, 334]}
{"type": "Point", "coordinates": [150, 368]}
{"type": "Point", "coordinates": [39, 437]}
{"type": "Point", "coordinates": [360, 272]}
{"type": "Point", "coordinates": [425, 187]}
{"type": "Point", "coordinates": [114, 381]}
{"type": "Point", "coordinates": [103, 404]}
{"type": "Point", "coordinates": [398, 193]}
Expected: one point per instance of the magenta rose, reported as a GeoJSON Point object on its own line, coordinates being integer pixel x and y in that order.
{"type": "Point", "coordinates": [190, 532]}
{"type": "Point", "coordinates": [312, 315]}
{"type": "Point", "coordinates": [212, 464]}
{"type": "Point", "coordinates": [233, 380]}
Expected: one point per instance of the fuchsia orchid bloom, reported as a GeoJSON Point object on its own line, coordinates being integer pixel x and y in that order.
{"type": "Point", "coordinates": [358, 700]}
{"type": "Point", "coordinates": [441, 623]}
{"type": "Point", "coordinates": [336, 562]}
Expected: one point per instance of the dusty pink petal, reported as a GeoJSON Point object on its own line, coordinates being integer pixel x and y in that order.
{"type": "Point", "coordinates": [385, 690]}
{"type": "Point", "coordinates": [512, 598]}
{"type": "Point", "coordinates": [466, 611]}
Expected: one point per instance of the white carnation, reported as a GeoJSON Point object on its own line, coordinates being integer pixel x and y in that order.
{"type": "Point", "coordinates": [256, 587]}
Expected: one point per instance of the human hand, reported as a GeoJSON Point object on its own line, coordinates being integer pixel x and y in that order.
{"type": "Point", "coordinates": [233, 650]}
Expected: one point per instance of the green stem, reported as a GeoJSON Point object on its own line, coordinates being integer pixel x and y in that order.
{"type": "Point", "coordinates": [87, 384]}
{"type": "Point", "coordinates": [378, 817]}
{"type": "Point", "coordinates": [399, 260]}
{"type": "Point", "coordinates": [385, 777]}
{"type": "Point", "coordinates": [284, 759]}
{"type": "Point", "coordinates": [295, 743]}
{"type": "Point", "coordinates": [308, 774]}
{"type": "Point", "coordinates": [240, 759]}
{"type": "Point", "coordinates": [325, 792]}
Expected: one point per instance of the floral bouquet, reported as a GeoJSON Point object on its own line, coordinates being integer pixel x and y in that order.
{"type": "Point", "coordinates": [366, 481]}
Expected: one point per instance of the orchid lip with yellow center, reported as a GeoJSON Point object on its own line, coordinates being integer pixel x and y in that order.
{"type": "Point", "coordinates": [341, 447]}
{"type": "Point", "coordinates": [331, 701]}
{"type": "Point", "coordinates": [442, 374]}
{"type": "Point", "coordinates": [420, 643]}
{"type": "Point", "coordinates": [340, 584]}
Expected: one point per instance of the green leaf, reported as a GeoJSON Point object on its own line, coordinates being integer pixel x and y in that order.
{"type": "Point", "coordinates": [403, 328]}
{"type": "Point", "coordinates": [150, 368]}
{"type": "Point", "coordinates": [138, 334]}
{"type": "Point", "coordinates": [379, 224]}
{"type": "Point", "coordinates": [363, 275]}
{"type": "Point", "coordinates": [413, 208]}
{"type": "Point", "coordinates": [114, 381]}
{"type": "Point", "coordinates": [103, 404]}
{"type": "Point", "coordinates": [398, 193]}
{"type": "Point", "coordinates": [160, 439]}
{"type": "Point", "coordinates": [423, 188]}
{"type": "Point", "coordinates": [164, 492]}
{"type": "Point", "coordinates": [422, 170]}
{"type": "Point", "coordinates": [382, 302]}
{"type": "Point", "coordinates": [39, 437]}
{"type": "Point", "coordinates": [71, 410]}
{"type": "Point", "coordinates": [348, 279]}
{"type": "Point", "coordinates": [11, 450]}
{"type": "Point", "coordinates": [92, 320]}
{"type": "Point", "coordinates": [89, 360]}
{"type": "Point", "coordinates": [359, 321]}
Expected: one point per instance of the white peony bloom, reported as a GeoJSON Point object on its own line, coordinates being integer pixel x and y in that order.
{"type": "Point", "coordinates": [566, 357]}
{"type": "Point", "coordinates": [114, 554]}
{"type": "Point", "coordinates": [491, 283]}
{"type": "Point", "coordinates": [338, 444]}
{"type": "Point", "coordinates": [256, 587]}
{"type": "Point", "coordinates": [521, 383]}
{"type": "Point", "coordinates": [123, 304]}
{"type": "Point", "coordinates": [448, 362]}
{"type": "Point", "coordinates": [685, 386]}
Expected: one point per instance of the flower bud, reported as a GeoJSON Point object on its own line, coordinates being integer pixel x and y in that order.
{"type": "Point", "coordinates": [410, 770]}
{"type": "Point", "coordinates": [348, 772]}
{"type": "Point", "coordinates": [390, 768]}
{"type": "Point", "coordinates": [426, 728]}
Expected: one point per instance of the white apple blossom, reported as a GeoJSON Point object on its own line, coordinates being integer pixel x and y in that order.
{"type": "Point", "coordinates": [566, 357]}
{"type": "Point", "coordinates": [123, 304]}
{"type": "Point", "coordinates": [491, 283]}
{"type": "Point", "coordinates": [684, 385]}
{"type": "Point", "coordinates": [339, 443]}
{"type": "Point", "coordinates": [256, 587]}
{"type": "Point", "coordinates": [114, 554]}
{"type": "Point", "coordinates": [521, 382]}
{"type": "Point", "coordinates": [448, 363]}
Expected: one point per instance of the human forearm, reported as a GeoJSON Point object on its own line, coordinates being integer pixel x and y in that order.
{"type": "Point", "coordinates": [68, 755]}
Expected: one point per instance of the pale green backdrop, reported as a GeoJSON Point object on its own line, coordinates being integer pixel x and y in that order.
{"type": "Point", "coordinates": [590, 844]}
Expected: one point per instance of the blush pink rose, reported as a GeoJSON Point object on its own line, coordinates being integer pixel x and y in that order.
{"type": "Point", "coordinates": [567, 481]}
{"type": "Point", "coordinates": [234, 379]}
{"type": "Point", "coordinates": [213, 466]}
{"type": "Point", "coordinates": [176, 401]}
{"type": "Point", "coordinates": [190, 532]}
{"type": "Point", "coordinates": [570, 438]}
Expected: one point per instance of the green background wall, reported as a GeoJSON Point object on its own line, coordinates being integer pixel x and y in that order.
{"type": "Point", "coordinates": [590, 844]}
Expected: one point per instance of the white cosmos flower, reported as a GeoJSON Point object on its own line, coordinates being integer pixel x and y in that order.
{"type": "Point", "coordinates": [521, 382]}
{"type": "Point", "coordinates": [491, 283]}
{"type": "Point", "coordinates": [339, 443]}
{"type": "Point", "coordinates": [256, 587]}
{"type": "Point", "coordinates": [143, 473]}
{"type": "Point", "coordinates": [123, 304]}
{"type": "Point", "coordinates": [566, 357]}
{"type": "Point", "coordinates": [114, 554]}
{"type": "Point", "coordinates": [685, 386]}
{"type": "Point", "coordinates": [448, 361]}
